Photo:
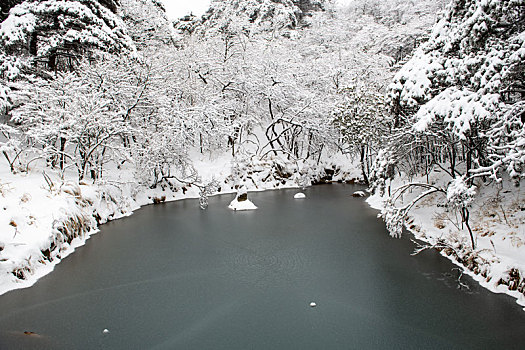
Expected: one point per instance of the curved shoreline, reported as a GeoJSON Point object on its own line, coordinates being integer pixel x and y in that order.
{"type": "Point", "coordinates": [94, 209]}
{"type": "Point", "coordinates": [467, 260]}
{"type": "Point", "coordinates": [67, 237]}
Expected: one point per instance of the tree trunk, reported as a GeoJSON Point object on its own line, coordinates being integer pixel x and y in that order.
{"type": "Point", "coordinates": [363, 166]}
{"type": "Point", "coordinates": [10, 164]}
{"type": "Point", "coordinates": [465, 216]}
{"type": "Point", "coordinates": [33, 44]}
{"type": "Point", "coordinates": [62, 150]}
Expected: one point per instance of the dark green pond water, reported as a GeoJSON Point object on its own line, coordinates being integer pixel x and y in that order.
{"type": "Point", "coordinates": [175, 277]}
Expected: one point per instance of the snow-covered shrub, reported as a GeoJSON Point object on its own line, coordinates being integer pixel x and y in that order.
{"type": "Point", "coordinates": [459, 194]}
{"type": "Point", "coordinates": [396, 208]}
{"type": "Point", "coordinates": [10, 145]}
{"type": "Point", "coordinates": [382, 171]}
{"type": "Point", "coordinates": [394, 218]}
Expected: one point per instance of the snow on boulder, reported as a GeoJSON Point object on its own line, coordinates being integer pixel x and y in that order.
{"type": "Point", "coordinates": [241, 201]}
{"type": "Point", "coordinates": [242, 194]}
{"type": "Point", "coordinates": [358, 194]}
{"type": "Point", "coordinates": [299, 195]}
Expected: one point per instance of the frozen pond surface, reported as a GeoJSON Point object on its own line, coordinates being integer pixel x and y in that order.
{"type": "Point", "coordinates": [175, 277]}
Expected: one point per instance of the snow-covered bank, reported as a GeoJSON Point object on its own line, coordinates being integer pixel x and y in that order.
{"type": "Point", "coordinates": [44, 219]}
{"type": "Point", "coordinates": [497, 217]}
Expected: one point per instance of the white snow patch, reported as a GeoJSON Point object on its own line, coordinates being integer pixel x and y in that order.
{"type": "Point", "coordinates": [299, 195]}
{"type": "Point", "coordinates": [376, 202]}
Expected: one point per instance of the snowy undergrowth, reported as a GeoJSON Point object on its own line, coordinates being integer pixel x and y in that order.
{"type": "Point", "coordinates": [43, 219]}
{"type": "Point", "coordinates": [497, 218]}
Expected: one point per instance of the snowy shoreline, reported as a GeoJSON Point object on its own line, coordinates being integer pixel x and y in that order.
{"type": "Point", "coordinates": [75, 212]}
{"type": "Point", "coordinates": [45, 222]}
{"type": "Point", "coordinates": [30, 273]}
{"type": "Point", "coordinates": [498, 272]}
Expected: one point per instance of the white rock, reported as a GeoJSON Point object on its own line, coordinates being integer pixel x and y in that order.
{"type": "Point", "coordinates": [359, 194]}
{"type": "Point", "coordinates": [313, 304]}
{"type": "Point", "coordinates": [105, 331]}
{"type": "Point", "coordinates": [244, 205]}
{"type": "Point", "coordinates": [299, 195]}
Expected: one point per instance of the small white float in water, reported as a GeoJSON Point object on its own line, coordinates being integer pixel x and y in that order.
{"type": "Point", "coordinates": [299, 195]}
{"type": "Point", "coordinates": [105, 331]}
{"type": "Point", "coordinates": [313, 304]}
{"type": "Point", "coordinates": [241, 201]}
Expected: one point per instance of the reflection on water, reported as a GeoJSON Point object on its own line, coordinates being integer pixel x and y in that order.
{"type": "Point", "coordinates": [454, 279]}
{"type": "Point", "coordinates": [175, 277]}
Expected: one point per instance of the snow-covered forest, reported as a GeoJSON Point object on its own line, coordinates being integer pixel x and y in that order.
{"type": "Point", "coordinates": [105, 105]}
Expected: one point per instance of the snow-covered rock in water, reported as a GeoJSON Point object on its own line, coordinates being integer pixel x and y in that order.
{"type": "Point", "coordinates": [359, 194]}
{"type": "Point", "coordinates": [299, 195]}
{"type": "Point", "coordinates": [241, 201]}
{"type": "Point", "coordinates": [243, 205]}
